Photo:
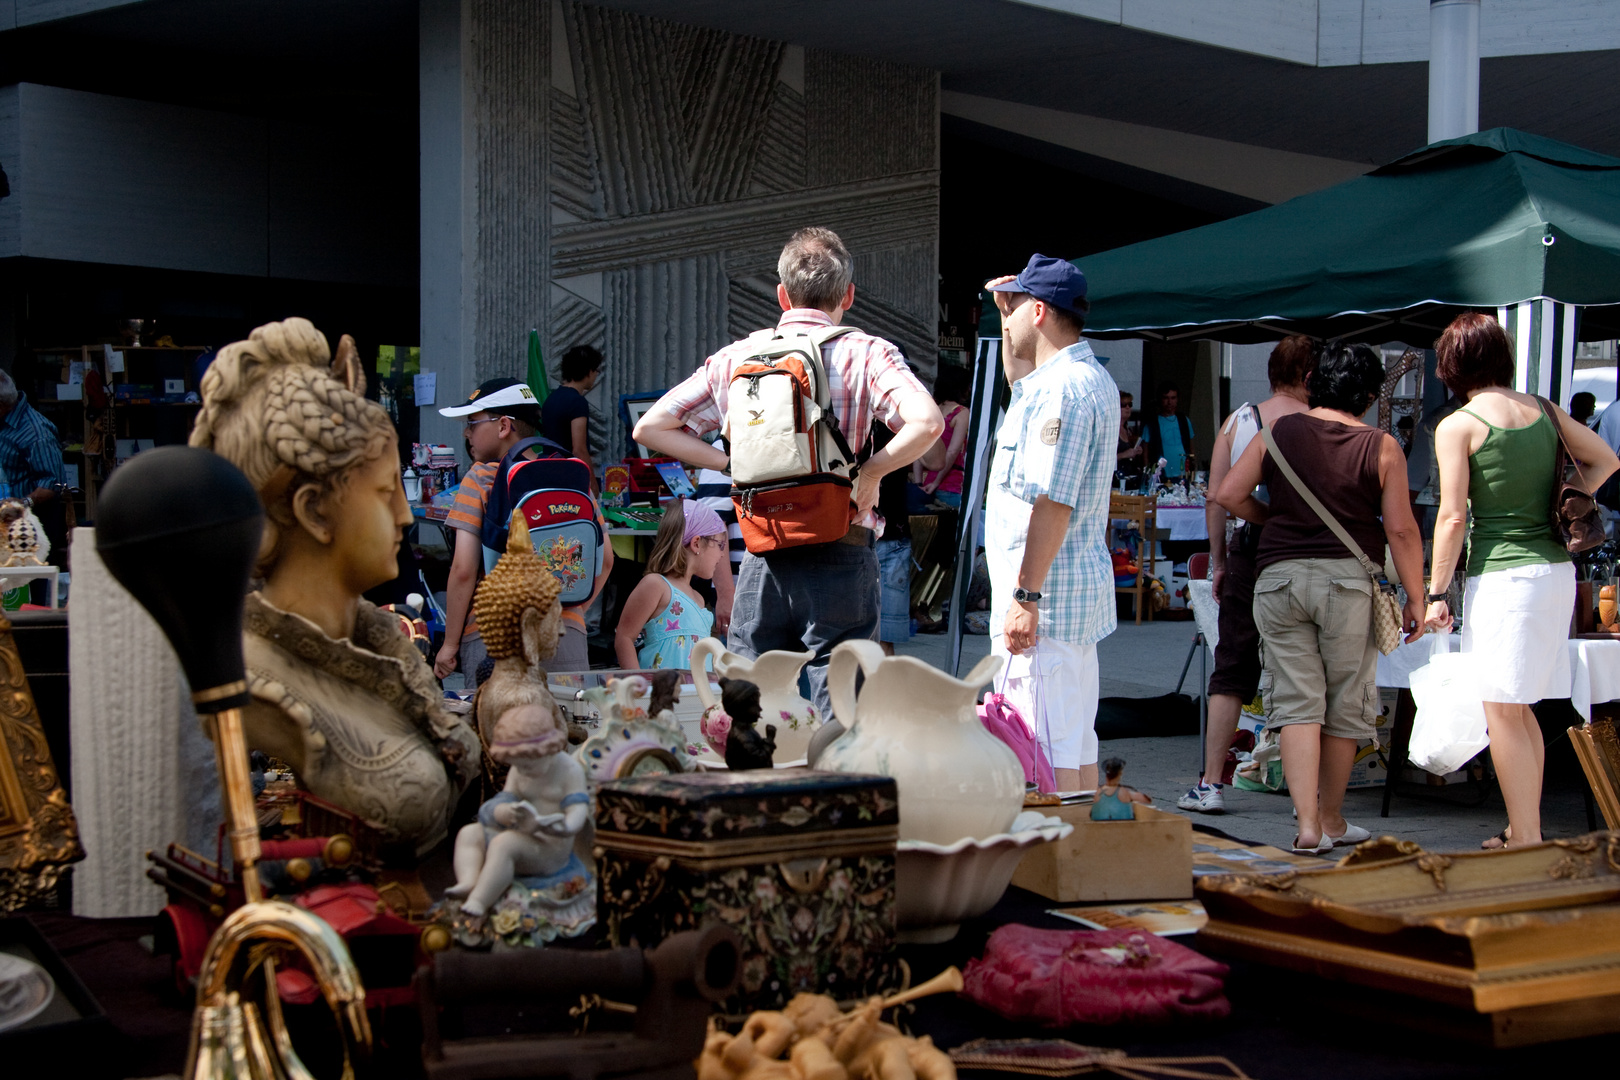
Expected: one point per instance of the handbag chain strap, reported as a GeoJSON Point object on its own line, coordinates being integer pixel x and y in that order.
{"type": "Point", "coordinates": [1322, 512]}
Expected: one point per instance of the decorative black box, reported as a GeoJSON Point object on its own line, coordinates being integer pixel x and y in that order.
{"type": "Point", "coordinates": [800, 863]}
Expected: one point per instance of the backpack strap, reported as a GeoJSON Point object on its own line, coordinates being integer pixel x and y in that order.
{"type": "Point", "coordinates": [498, 508]}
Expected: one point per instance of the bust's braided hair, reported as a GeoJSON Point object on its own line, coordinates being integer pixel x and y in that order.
{"type": "Point", "coordinates": [279, 409]}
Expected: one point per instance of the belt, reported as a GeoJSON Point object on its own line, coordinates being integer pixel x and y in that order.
{"type": "Point", "coordinates": [857, 536]}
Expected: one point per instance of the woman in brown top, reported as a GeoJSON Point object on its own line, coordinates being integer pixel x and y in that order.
{"type": "Point", "coordinates": [1312, 599]}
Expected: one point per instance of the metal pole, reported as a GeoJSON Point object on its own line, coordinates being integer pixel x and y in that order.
{"type": "Point", "coordinates": [1453, 68]}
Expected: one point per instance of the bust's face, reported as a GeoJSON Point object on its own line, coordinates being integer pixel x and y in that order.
{"type": "Point", "coordinates": [368, 515]}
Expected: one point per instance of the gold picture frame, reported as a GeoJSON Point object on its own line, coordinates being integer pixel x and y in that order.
{"type": "Point", "coordinates": [38, 835]}
{"type": "Point", "coordinates": [1598, 747]}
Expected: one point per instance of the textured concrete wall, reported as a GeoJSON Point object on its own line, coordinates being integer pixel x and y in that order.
{"type": "Point", "coordinates": [629, 182]}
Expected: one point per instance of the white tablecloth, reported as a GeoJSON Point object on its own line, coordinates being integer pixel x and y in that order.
{"type": "Point", "coordinates": [1184, 522]}
{"type": "Point", "coordinates": [1594, 668]}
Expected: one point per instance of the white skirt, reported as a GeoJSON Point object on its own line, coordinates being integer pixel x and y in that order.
{"type": "Point", "coordinates": [1516, 626]}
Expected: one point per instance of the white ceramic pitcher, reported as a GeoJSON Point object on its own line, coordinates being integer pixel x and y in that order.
{"type": "Point", "coordinates": [776, 673]}
{"type": "Point", "coordinates": [919, 725]}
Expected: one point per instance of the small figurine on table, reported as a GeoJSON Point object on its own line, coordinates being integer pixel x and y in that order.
{"type": "Point", "coordinates": [746, 748]}
{"type": "Point", "coordinates": [25, 541]}
{"type": "Point", "coordinates": [1114, 799]}
{"type": "Point", "coordinates": [666, 693]}
{"type": "Point", "coordinates": [519, 877]}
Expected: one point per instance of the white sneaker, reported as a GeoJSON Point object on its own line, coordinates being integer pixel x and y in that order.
{"type": "Point", "coordinates": [1204, 798]}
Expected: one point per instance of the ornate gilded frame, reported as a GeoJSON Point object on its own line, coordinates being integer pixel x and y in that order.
{"type": "Point", "coordinates": [38, 836]}
{"type": "Point", "coordinates": [1598, 746]}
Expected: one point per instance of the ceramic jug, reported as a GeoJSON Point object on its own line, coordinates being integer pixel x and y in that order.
{"type": "Point", "coordinates": [776, 673]}
{"type": "Point", "coordinates": [917, 724]}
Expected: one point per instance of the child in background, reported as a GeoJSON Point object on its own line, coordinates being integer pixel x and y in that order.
{"type": "Point", "coordinates": [665, 607]}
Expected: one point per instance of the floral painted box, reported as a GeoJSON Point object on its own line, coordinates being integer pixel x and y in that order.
{"type": "Point", "coordinates": [799, 862]}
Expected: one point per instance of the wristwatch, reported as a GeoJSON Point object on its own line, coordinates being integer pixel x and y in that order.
{"type": "Point", "coordinates": [1438, 598]}
{"type": "Point", "coordinates": [1024, 596]}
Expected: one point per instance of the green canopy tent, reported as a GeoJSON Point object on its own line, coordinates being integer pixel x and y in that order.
{"type": "Point", "coordinates": [1500, 220]}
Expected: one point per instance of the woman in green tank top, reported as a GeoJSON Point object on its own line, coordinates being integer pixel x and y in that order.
{"type": "Point", "coordinates": [1496, 457]}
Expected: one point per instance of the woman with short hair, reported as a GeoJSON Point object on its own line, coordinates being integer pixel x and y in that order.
{"type": "Point", "coordinates": [1496, 457]}
{"type": "Point", "coordinates": [1312, 599]}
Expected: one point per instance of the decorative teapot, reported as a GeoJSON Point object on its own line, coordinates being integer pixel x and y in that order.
{"type": "Point", "coordinates": [917, 724]}
{"type": "Point", "coordinates": [776, 673]}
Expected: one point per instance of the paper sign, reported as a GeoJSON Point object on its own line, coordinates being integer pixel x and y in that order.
{"type": "Point", "coordinates": [115, 363]}
{"type": "Point", "coordinates": [126, 449]}
{"type": "Point", "coordinates": [174, 386]}
{"type": "Point", "coordinates": [71, 473]}
{"type": "Point", "coordinates": [76, 371]}
{"type": "Point", "coordinates": [73, 391]}
{"type": "Point", "coordinates": [426, 386]}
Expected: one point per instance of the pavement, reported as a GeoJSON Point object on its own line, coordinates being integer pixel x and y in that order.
{"type": "Point", "coordinates": [1145, 661]}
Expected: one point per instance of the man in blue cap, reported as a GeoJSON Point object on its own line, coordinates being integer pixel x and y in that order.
{"type": "Point", "coordinates": [1051, 582]}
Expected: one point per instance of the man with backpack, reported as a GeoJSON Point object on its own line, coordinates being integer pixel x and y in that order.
{"type": "Point", "coordinates": [499, 416]}
{"type": "Point", "coordinates": [796, 403]}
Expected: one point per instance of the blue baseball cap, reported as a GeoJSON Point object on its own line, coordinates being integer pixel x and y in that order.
{"type": "Point", "coordinates": [1052, 281]}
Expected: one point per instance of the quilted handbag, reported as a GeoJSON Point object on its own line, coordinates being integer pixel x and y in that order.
{"type": "Point", "coordinates": [1062, 977]}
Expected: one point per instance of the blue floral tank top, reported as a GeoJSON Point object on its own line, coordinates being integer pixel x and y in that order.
{"type": "Point", "coordinates": [669, 636]}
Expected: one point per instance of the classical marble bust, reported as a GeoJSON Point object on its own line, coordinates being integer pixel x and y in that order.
{"type": "Point", "coordinates": [339, 693]}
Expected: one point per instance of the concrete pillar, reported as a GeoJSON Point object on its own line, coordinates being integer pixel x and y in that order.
{"type": "Point", "coordinates": [446, 175]}
{"type": "Point", "coordinates": [1453, 68]}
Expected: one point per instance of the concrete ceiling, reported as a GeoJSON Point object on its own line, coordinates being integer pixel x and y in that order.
{"type": "Point", "coordinates": [1014, 52]}
{"type": "Point", "coordinates": [988, 48]}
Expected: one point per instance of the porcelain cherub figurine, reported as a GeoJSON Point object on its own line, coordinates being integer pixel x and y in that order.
{"type": "Point", "coordinates": [338, 692]}
{"type": "Point", "coordinates": [528, 829]}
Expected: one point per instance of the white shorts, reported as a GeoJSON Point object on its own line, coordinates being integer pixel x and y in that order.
{"type": "Point", "coordinates": [1054, 687]}
{"type": "Point", "coordinates": [1516, 627]}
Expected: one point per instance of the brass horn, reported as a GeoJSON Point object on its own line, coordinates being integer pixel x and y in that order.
{"type": "Point", "coordinates": [179, 528]}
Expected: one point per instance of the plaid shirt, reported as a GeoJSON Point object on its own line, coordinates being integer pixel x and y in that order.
{"type": "Point", "coordinates": [30, 451]}
{"type": "Point", "coordinates": [866, 378]}
{"type": "Point", "coordinates": [1058, 440]}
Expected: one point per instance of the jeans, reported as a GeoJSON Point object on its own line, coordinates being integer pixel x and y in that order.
{"type": "Point", "coordinates": [806, 598]}
{"type": "Point", "coordinates": [894, 572]}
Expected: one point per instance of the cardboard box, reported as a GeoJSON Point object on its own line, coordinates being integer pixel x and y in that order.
{"type": "Point", "coordinates": [1146, 859]}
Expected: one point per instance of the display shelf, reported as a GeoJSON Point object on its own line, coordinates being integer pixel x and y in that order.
{"type": "Point", "coordinates": [42, 369]}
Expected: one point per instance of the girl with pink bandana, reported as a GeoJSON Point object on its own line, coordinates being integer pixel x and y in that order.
{"type": "Point", "coordinates": [665, 610]}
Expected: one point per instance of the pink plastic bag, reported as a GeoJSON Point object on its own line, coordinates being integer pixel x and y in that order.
{"type": "Point", "coordinates": [1004, 722]}
{"type": "Point", "coordinates": [1062, 977]}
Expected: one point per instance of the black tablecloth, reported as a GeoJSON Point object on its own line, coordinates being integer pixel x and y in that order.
{"type": "Point", "coordinates": [1282, 1025]}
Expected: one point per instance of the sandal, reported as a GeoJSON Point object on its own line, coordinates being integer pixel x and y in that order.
{"type": "Point", "coordinates": [1324, 844]}
{"type": "Point", "coordinates": [1497, 842]}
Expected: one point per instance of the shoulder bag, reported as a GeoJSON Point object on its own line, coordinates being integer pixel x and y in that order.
{"type": "Point", "coordinates": [1386, 611]}
{"type": "Point", "coordinates": [1575, 520]}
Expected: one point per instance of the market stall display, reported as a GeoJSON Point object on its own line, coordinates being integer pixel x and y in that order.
{"type": "Point", "coordinates": [1516, 946]}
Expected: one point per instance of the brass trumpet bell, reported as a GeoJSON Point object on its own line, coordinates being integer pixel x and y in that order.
{"type": "Point", "coordinates": [231, 1038]}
